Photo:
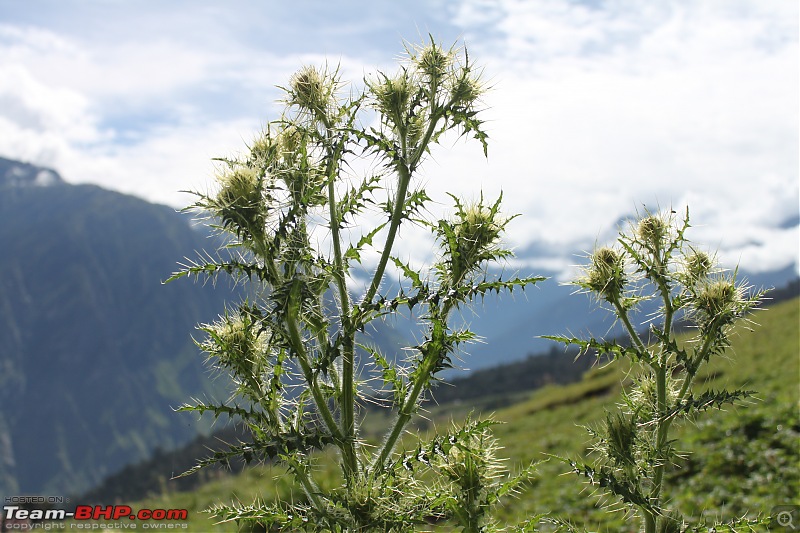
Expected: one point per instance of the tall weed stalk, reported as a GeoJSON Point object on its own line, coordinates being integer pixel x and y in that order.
{"type": "Point", "coordinates": [297, 220]}
{"type": "Point", "coordinates": [633, 447]}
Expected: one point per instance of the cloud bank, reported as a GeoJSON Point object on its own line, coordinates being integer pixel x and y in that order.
{"type": "Point", "coordinates": [596, 110]}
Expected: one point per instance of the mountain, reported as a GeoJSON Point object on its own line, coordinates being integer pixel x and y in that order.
{"type": "Point", "coordinates": [95, 352]}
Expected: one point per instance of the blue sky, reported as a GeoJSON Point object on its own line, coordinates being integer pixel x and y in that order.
{"type": "Point", "coordinates": [597, 108]}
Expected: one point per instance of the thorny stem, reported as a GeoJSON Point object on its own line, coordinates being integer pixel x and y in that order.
{"type": "Point", "coordinates": [311, 490]}
{"type": "Point", "coordinates": [701, 354]}
{"type": "Point", "coordinates": [665, 423]}
{"type": "Point", "coordinates": [649, 522]}
{"type": "Point", "coordinates": [397, 215]}
{"type": "Point", "coordinates": [660, 370]}
{"type": "Point", "coordinates": [348, 395]}
{"type": "Point", "coordinates": [409, 403]}
{"type": "Point", "coordinates": [308, 374]}
{"type": "Point", "coordinates": [661, 391]}
{"type": "Point", "coordinates": [405, 167]}
{"type": "Point", "coordinates": [637, 341]}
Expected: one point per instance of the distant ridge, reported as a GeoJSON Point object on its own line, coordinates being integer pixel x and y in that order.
{"type": "Point", "coordinates": [95, 352]}
{"type": "Point", "coordinates": [18, 174]}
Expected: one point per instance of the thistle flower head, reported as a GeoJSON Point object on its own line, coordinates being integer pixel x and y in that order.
{"type": "Point", "coordinates": [697, 266]}
{"type": "Point", "coordinates": [620, 434]}
{"type": "Point", "coordinates": [288, 141]}
{"type": "Point", "coordinates": [477, 228]}
{"type": "Point", "coordinates": [311, 90]}
{"type": "Point", "coordinates": [392, 96]}
{"type": "Point", "coordinates": [466, 90]}
{"type": "Point", "coordinates": [237, 344]}
{"type": "Point", "coordinates": [653, 231]}
{"type": "Point", "coordinates": [433, 62]}
{"type": "Point", "coordinates": [718, 297]}
{"type": "Point", "coordinates": [606, 273]}
{"type": "Point", "coordinates": [240, 203]}
{"type": "Point", "coordinates": [472, 237]}
{"type": "Point", "coordinates": [643, 398]}
{"type": "Point", "coordinates": [263, 149]}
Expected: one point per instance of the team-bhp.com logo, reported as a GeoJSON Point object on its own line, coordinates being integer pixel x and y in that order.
{"type": "Point", "coordinates": [17, 518]}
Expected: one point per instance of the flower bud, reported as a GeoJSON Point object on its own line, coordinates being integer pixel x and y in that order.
{"type": "Point", "coordinates": [433, 62]}
{"type": "Point", "coordinates": [477, 231]}
{"type": "Point", "coordinates": [477, 228]}
{"type": "Point", "coordinates": [620, 439]}
{"type": "Point", "coordinates": [309, 89]}
{"type": "Point", "coordinates": [465, 91]}
{"type": "Point", "coordinates": [652, 230]}
{"type": "Point", "coordinates": [717, 297]}
{"type": "Point", "coordinates": [606, 274]}
{"type": "Point", "coordinates": [392, 97]}
{"type": "Point", "coordinates": [239, 203]}
{"type": "Point", "coordinates": [288, 142]}
{"type": "Point", "coordinates": [263, 149]}
{"type": "Point", "coordinates": [237, 344]}
{"type": "Point", "coordinates": [698, 266]}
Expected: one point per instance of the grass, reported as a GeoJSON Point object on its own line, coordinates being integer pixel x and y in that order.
{"type": "Point", "coordinates": [742, 461]}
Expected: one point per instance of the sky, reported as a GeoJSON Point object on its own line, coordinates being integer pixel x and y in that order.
{"type": "Point", "coordinates": [597, 109]}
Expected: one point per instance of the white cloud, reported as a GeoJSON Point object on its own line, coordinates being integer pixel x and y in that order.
{"type": "Point", "coordinates": [40, 122]}
{"type": "Point", "coordinates": [596, 109]}
{"type": "Point", "coordinates": [143, 118]}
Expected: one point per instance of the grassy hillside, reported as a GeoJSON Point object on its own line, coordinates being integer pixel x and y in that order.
{"type": "Point", "coordinates": [742, 461]}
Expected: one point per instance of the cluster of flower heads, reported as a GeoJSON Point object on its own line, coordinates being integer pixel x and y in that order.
{"type": "Point", "coordinates": [656, 251]}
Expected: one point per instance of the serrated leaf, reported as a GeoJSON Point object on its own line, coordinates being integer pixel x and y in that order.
{"type": "Point", "coordinates": [707, 400]}
{"type": "Point", "coordinates": [612, 348]}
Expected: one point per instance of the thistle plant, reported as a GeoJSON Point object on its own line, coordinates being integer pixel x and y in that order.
{"type": "Point", "coordinates": [297, 221]}
{"type": "Point", "coordinates": [633, 447]}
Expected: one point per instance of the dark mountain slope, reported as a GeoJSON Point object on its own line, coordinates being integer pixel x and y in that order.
{"type": "Point", "coordinates": [94, 351]}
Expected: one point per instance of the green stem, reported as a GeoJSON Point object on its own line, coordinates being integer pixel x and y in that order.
{"type": "Point", "coordinates": [397, 215]}
{"type": "Point", "coordinates": [403, 418]}
{"type": "Point", "coordinates": [405, 167]}
{"type": "Point", "coordinates": [700, 355]}
{"type": "Point", "coordinates": [661, 433]}
{"type": "Point", "coordinates": [635, 339]}
{"type": "Point", "coordinates": [409, 403]}
{"type": "Point", "coordinates": [660, 371]}
{"type": "Point", "coordinates": [649, 522]}
{"type": "Point", "coordinates": [302, 357]}
{"type": "Point", "coordinates": [665, 423]}
{"type": "Point", "coordinates": [347, 406]}
{"type": "Point", "coordinates": [311, 490]}
{"type": "Point", "coordinates": [348, 345]}
{"type": "Point", "coordinates": [661, 393]}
